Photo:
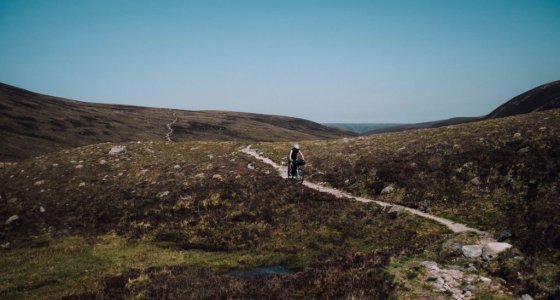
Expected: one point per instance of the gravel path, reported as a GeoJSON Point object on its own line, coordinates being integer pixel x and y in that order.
{"type": "Point", "coordinates": [453, 226]}
{"type": "Point", "coordinates": [170, 128]}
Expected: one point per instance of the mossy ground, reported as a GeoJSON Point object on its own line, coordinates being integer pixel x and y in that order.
{"type": "Point", "coordinates": [169, 219]}
{"type": "Point", "coordinates": [498, 175]}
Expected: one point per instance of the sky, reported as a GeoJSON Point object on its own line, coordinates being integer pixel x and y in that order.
{"type": "Point", "coordinates": [327, 61]}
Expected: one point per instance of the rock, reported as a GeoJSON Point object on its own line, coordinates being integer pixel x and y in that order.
{"type": "Point", "coordinates": [40, 182]}
{"type": "Point", "coordinates": [472, 251]}
{"type": "Point", "coordinates": [526, 297]}
{"type": "Point", "coordinates": [542, 128]}
{"type": "Point", "coordinates": [55, 165]}
{"type": "Point", "coordinates": [82, 184]}
{"type": "Point", "coordinates": [517, 136]}
{"type": "Point", "coordinates": [471, 268]}
{"type": "Point", "coordinates": [117, 149]}
{"type": "Point", "coordinates": [176, 167]}
{"type": "Point", "coordinates": [475, 181]}
{"type": "Point", "coordinates": [469, 288]}
{"type": "Point", "coordinates": [503, 235]}
{"type": "Point", "coordinates": [5, 245]}
{"type": "Point", "coordinates": [456, 268]}
{"type": "Point", "coordinates": [429, 264]}
{"type": "Point", "coordinates": [467, 294]}
{"type": "Point", "coordinates": [401, 149]}
{"type": "Point", "coordinates": [42, 209]}
{"type": "Point", "coordinates": [199, 176]}
{"type": "Point", "coordinates": [217, 177]}
{"type": "Point", "coordinates": [524, 150]}
{"type": "Point", "coordinates": [142, 172]}
{"type": "Point", "coordinates": [387, 190]}
{"type": "Point", "coordinates": [102, 162]}
{"type": "Point", "coordinates": [485, 279]}
{"type": "Point", "coordinates": [250, 166]}
{"type": "Point", "coordinates": [491, 250]}
{"type": "Point", "coordinates": [79, 166]}
{"type": "Point", "coordinates": [12, 200]}
{"type": "Point", "coordinates": [12, 219]}
{"type": "Point", "coordinates": [395, 210]}
{"type": "Point", "coordinates": [163, 194]}
{"type": "Point", "coordinates": [439, 280]}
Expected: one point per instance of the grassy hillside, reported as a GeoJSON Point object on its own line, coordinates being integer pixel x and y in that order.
{"type": "Point", "coordinates": [499, 175]}
{"type": "Point", "coordinates": [33, 124]}
{"type": "Point", "coordinates": [172, 219]}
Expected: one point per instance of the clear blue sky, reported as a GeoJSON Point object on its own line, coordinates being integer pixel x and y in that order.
{"type": "Point", "coordinates": [328, 61]}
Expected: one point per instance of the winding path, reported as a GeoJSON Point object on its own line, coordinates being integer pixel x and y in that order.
{"type": "Point", "coordinates": [453, 226]}
{"type": "Point", "coordinates": [170, 127]}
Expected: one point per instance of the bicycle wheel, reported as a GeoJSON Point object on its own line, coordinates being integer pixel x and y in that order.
{"type": "Point", "coordinates": [300, 174]}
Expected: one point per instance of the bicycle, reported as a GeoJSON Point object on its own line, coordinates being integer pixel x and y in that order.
{"type": "Point", "coordinates": [299, 173]}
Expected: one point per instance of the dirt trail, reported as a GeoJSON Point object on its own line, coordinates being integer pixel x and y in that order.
{"type": "Point", "coordinates": [170, 128]}
{"type": "Point", "coordinates": [455, 227]}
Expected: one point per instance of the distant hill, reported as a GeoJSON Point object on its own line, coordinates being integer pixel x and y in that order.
{"type": "Point", "coordinates": [33, 124]}
{"type": "Point", "coordinates": [544, 97]}
{"type": "Point", "coordinates": [361, 127]}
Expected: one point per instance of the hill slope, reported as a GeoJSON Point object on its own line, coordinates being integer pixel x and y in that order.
{"type": "Point", "coordinates": [32, 124]}
{"type": "Point", "coordinates": [499, 175]}
{"type": "Point", "coordinates": [544, 97]}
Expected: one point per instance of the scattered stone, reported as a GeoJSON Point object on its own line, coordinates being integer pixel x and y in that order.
{"type": "Point", "coordinates": [176, 167]}
{"type": "Point", "coordinates": [524, 150]}
{"type": "Point", "coordinates": [469, 288]}
{"type": "Point", "coordinates": [12, 219]}
{"type": "Point", "coordinates": [402, 149]}
{"type": "Point", "coordinates": [542, 128]}
{"type": "Point", "coordinates": [456, 268]}
{"type": "Point", "coordinates": [428, 264]}
{"type": "Point", "coordinates": [475, 181]}
{"type": "Point", "coordinates": [6, 245]}
{"type": "Point", "coordinates": [491, 250]}
{"type": "Point", "coordinates": [142, 172]}
{"type": "Point", "coordinates": [163, 194]}
{"type": "Point", "coordinates": [517, 136]}
{"type": "Point", "coordinates": [395, 210]}
{"type": "Point", "coordinates": [72, 161]}
{"type": "Point", "coordinates": [267, 172]}
{"type": "Point", "coordinates": [102, 162]}
{"type": "Point", "coordinates": [387, 190]}
{"type": "Point", "coordinates": [347, 181]}
{"type": "Point", "coordinates": [504, 235]}
{"type": "Point", "coordinates": [467, 294]}
{"type": "Point", "coordinates": [471, 268]}
{"type": "Point", "coordinates": [120, 174]}
{"type": "Point", "coordinates": [82, 184]}
{"type": "Point", "coordinates": [40, 182]}
{"type": "Point", "coordinates": [217, 177]}
{"type": "Point", "coordinates": [250, 166]}
{"type": "Point", "coordinates": [117, 149]}
{"type": "Point", "coordinates": [485, 279]}
{"type": "Point", "coordinates": [55, 165]}
{"type": "Point", "coordinates": [79, 166]}
{"type": "Point", "coordinates": [199, 176]}
{"type": "Point", "coordinates": [526, 297]}
{"type": "Point", "coordinates": [472, 251]}
{"type": "Point", "coordinates": [12, 200]}
{"type": "Point", "coordinates": [42, 209]}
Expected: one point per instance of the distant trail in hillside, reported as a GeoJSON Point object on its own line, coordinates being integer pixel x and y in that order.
{"type": "Point", "coordinates": [455, 227]}
{"type": "Point", "coordinates": [170, 128]}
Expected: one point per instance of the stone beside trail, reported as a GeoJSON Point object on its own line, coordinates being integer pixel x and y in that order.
{"type": "Point", "coordinates": [453, 226]}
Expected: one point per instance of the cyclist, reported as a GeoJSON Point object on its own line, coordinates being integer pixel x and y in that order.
{"type": "Point", "coordinates": [294, 160]}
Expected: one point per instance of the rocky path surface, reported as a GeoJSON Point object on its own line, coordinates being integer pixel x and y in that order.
{"type": "Point", "coordinates": [453, 226]}
{"type": "Point", "coordinates": [170, 127]}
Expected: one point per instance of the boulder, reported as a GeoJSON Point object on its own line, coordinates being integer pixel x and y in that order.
{"type": "Point", "coordinates": [492, 250]}
{"type": "Point", "coordinates": [388, 189]}
{"type": "Point", "coordinates": [12, 219]}
{"type": "Point", "coordinates": [472, 251]}
{"type": "Point", "coordinates": [117, 149]}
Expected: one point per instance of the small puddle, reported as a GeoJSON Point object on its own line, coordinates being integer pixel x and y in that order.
{"type": "Point", "coordinates": [261, 271]}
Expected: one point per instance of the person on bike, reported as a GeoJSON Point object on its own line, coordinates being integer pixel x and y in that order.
{"type": "Point", "coordinates": [294, 159]}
